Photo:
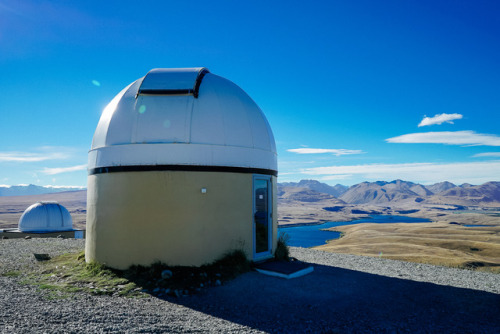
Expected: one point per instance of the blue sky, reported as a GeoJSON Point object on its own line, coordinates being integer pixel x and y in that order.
{"type": "Point", "coordinates": [344, 84]}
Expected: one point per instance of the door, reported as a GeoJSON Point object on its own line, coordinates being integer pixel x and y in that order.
{"type": "Point", "coordinates": [262, 213]}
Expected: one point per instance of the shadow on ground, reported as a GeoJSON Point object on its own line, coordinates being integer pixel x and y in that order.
{"type": "Point", "coordinates": [340, 300]}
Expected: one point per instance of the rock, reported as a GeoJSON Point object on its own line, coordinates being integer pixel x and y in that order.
{"type": "Point", "coordinates": [41, 257]}
{"type": "Point", "coordinates": [166, 274]}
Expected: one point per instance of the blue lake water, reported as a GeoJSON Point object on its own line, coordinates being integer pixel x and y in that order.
{"type": "Point", "coordinates": [313, 235]}
{"type": "Point", "coordinates": [479, 225]}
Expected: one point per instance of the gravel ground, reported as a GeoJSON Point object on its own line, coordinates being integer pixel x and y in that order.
{"type": "Point", "coordinates": [344, 294]}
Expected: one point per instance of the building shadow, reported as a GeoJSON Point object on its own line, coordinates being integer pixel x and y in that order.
{"type": "Point", "coordinates": [340, 300]}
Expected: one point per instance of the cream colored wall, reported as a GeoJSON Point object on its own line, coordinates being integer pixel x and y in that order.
{"type": "Point", "coordinates": [143, 217]}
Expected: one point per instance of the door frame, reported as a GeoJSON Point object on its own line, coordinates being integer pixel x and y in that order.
{"type": "Point", "coordinates": [266, 254]}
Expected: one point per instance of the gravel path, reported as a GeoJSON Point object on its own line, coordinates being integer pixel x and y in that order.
{"type": "Point", "coordinates": [345, 293]}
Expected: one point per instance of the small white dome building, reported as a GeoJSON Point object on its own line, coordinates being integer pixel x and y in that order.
{"type": "Point", "coordinates": [182, 169]}
{"type": "Point", "coordinates": [45, 217]}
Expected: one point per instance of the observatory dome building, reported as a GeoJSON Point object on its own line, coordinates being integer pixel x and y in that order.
{"type": "Point", "coordinates": [44, 217]}
{"type": "Point", "coordinates": [182, 169]}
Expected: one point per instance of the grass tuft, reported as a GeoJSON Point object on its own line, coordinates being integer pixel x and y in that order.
{"type": "Point", "coordinates": [282, 252]}
{"type": "Point", "coordinates": [70, 273]}
{"type": "Point", "coordinates": [13, 273]}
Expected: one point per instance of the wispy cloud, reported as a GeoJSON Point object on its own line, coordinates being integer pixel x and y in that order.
{"type": "Point", "coordinates": [466, 138]}
{"type": "Point", "coordinates": [30, 157]}
{"type": "Point", "coordinates": [439, 119]}
{"type": "Point", "coordinates": [337, 152]}
{"type": "Point", "coordinates": [487, 154]}
{"type": "Point", "coordinates": [458, 172]}
{"type": "Point", "coordinates": [59, 170]}
{"type": "Point", "coordinates": [58, 187]}
{"type": "Point", "coordinates": [336, 177]}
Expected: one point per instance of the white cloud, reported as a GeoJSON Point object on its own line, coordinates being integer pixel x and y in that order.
{"type": "Point", "coordinates": [336, 177]}
{"type": "Point", "coordinates": [467, 138]}
{"type": "Point", "coordinates": [487, 154]}
{"type": "Point", "coordinates": [337, 152]}
{"type": "Point", "coordinates": [59, 170]}
{"type": "Point", "coordinates": [439, 119]}
{"type": "Point", "coordinates": [30, 157]}
{"type": "Point", "coordinates": [46, 186]}
{"type": "Point", "coordinates": [38, 154]}
{"type": "Point", "coordinates": [283, 174]}
{"type": "Point", "coordinates": [58, 187]}
{"type": "Point", "coordinates": [459, 172]}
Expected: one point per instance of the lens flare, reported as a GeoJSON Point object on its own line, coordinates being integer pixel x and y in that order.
{"type": "Point", "coordinates": [166, 123]}
{"type": "Point", "coordinates": [96, 83]}
{"type": "Point", "coordinates": [142, 109]}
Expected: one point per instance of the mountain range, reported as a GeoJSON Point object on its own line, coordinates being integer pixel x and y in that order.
{"type": "Point", "coordinates": [376, 193]}
{"type": "Point", "coordinates": [382, 192]}
{"type": "Point", "coordinates": [31, 189]}
{"type": "Point", "coordinates": [335, 191]}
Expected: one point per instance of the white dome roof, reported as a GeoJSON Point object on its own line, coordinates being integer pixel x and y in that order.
{"type": "Point", "coordinates": [45, 217]}
{"type": "Point", "coordinates": [183, 117]}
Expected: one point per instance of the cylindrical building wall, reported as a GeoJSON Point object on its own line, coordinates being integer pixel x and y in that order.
{"type": "Point", "coordinates": [158, 143]}
{"type": "Point", "coordinates": [148, 216]}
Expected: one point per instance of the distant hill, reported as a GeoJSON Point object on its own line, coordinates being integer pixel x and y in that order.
{"type": "Point", "coordinates": [382, 192]}
{"type": "Point", "coordinates": [31, 189]}
{"type": "Point", "coordinates": [487, 192]}
{"type": "Point", "coordinates": [320, 187]}
{"type": "Point", "coordinates": [303, 194]}
{"type": "Point", "coordinates": [440, 187]}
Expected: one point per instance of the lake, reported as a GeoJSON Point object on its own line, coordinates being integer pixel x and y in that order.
{"type": "Point", "coordinates": [313, 234]}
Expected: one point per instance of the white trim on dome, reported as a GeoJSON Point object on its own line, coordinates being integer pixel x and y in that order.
{"type": "Point", "coordinates": [182, 154]}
